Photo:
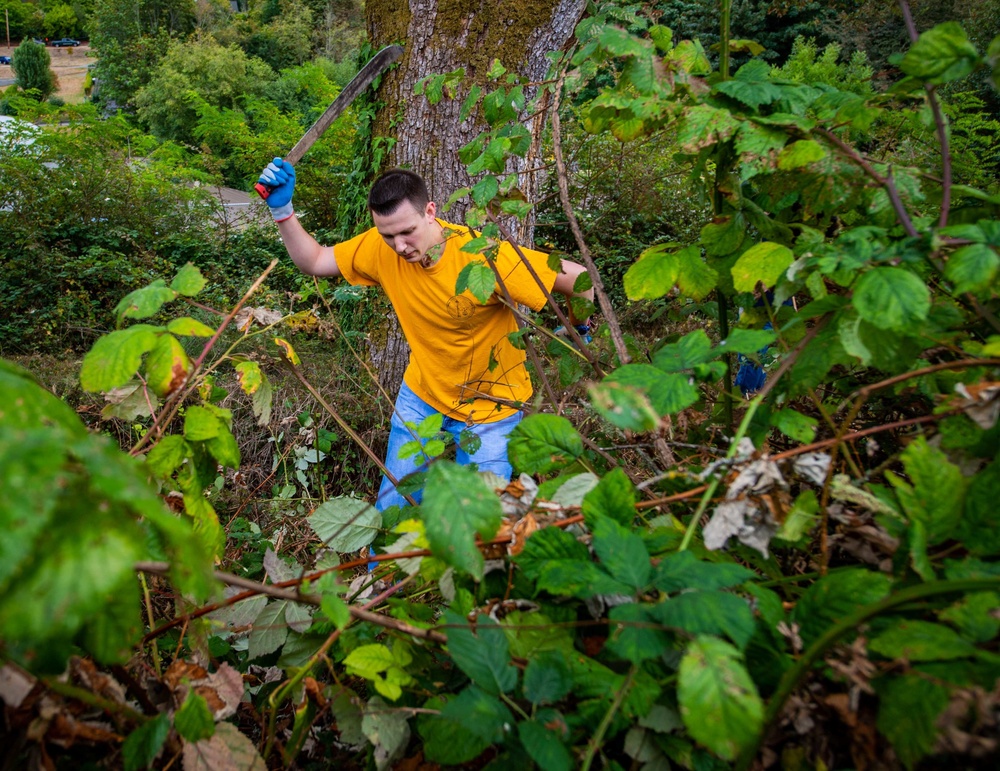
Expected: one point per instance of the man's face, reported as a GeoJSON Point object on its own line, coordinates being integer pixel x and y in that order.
{"type": "Point", "coordinates": [409, 231]}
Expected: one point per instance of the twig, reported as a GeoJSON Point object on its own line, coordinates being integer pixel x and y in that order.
{"type": "Point", "coordinates": [610, 318]}
{"type": "Point", "coordinates": [939, 123]}
{"type": "Point", "coordinates": [281, 593]}
{"type": "Point", "coordinates": [598, 738]}
{"type": "Point", "coordinates": [897, 203]}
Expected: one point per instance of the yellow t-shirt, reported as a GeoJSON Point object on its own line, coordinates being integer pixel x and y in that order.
{"type": "Point", "coordinates": [459, 351]}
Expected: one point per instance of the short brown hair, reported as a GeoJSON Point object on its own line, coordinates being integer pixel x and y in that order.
{"type": "Point", "coordinates": [395, 186]}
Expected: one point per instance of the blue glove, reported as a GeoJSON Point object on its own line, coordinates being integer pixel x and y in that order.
{"type": "Point", "coordinates": [582, 329]}
{"type": "Point", "coordinates": [279, 179]}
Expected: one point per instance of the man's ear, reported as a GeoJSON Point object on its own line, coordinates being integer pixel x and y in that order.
{"type": "Point", "coordinates": [431, 209]}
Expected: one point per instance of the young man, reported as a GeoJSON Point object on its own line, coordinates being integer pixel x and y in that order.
{"type": "Point", "coordinates": [462, 363]}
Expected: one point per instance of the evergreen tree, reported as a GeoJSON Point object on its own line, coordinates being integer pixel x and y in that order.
{"type": "Point", "coordinates": [31, 69]}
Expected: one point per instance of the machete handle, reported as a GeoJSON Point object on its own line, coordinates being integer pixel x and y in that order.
{"type": "Point", "coordinates": [263, 190]}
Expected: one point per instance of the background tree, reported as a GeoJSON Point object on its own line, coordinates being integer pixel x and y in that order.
{"type": "Point", "coordinates": [25, 19]}
{"type": "Point", "coordinates": [129, 38]}
{"type": "Point", "coordinates": [196, 72]}
{"type": "Point", "coordinates": [31, 69]}
{"type": "Point", "coordinates": [60, 21]}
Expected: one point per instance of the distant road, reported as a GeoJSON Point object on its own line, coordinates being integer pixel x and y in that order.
{"type": "Point", "coordinates": [7, 82]}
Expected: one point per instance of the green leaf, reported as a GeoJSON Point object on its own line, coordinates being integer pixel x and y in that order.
{"type": "Point", "coordinates": [751, 85]}
{"type": "Point", "coordinates": [142, 746]}
{"type": "Point", "coordinates": [345, 523]}
{"type": "Point", "coordinates": [892, 298]}
{"type": "Point", "coordinates": [548, 545]}
{"type": "Point", "coordinates": [835, 596]}
{"type": "Point", "coordinates": [748, 341]}
{"type": "Point", "coordinates": [977, 529]}
{"type": "Point", "coordinates": [613, 497]}
{"type": "Point", "coordinates": [635, 633]}
{"type": "Point", "coordinates": [167, 455]}
{"type": "Point", "coordinates": [193, 721]}
{"type": "Point", "coordinates": [975, 616]}
{"type": "Point", "coordinates": [723, 235]}
{"type": "Point", "coordinates": [483, 655]}
{"type": "Point", "coordinates": [719, 704]}
{"type": "Point", "coordinates": [668, 393]}
{"type": "Point", "coordinates": [622, 552]}
{"type": "Point", "coordinates": [369, 660]}
{"type": "Point", "coordinates": [934, 496]}
{"type": "Point", "coordinates": [801, 519]}
{"type": "Point", "coordinates": [973, 268]}
{"type": "Point", "coordinates": [167, 366]}
{"type": "Point", "coordinates": [188, 327]}
{"type": "Point", "coordinates": [542, 443]}
{"type": "Point", "coordinates": [269, 630]}
{"type": "Point", "coordinates": [544, 747]}
{"type": "Point", "coordinates": [481, 713]}
{"type": "Point", "coordinates": [709, 612]}
{"type": "Point", "coordinates": [624, 406]}
{"type": "Point", "coordinates": [145, 302]}
{"type": "Point", "coordinates": [703, 126]}
{"type": "Point", "coordinates": [335, 609]}
{"type": "Point", "coordinates": [799, 154]}
{"type": "Point", "coordinates": [32, 475]}
{"type": "Point", "coordinates": [695, 277]}
{"type": "Point", "coordinates": [685, 571]}
{"type": "Point", "coordinates": [457, 506]}
{"type": "Point", "coordinates": [652, 276]}
{"type": "Point", "coordinates": [479, 279]}
{"type": "Point", "coordinates": [687, 353]}
{"type": "Point", "coordinates": [582, 579]}
{"type": "Point", "coordinates": [188, 281]}
{"type": "Point", "coordinates": [547, 678]}
{"type": "Point", "coordinates": [765, 262]}
{"type": "Point", "coordinates": [908, 710]}
{"type": "Point", "coordinates": [201, 423]}
{"type": "Point", "coordinates": [446, 740]}
{"type": "Point", "coordinates": [485, 190]}
{"type": "Point", "coordinates": [794, 424]}
{"type": "Point", "coordinates": [115, 357]}
{"type": "Point", "coordinates": [941, 55]}
{"type": "Point", "coordinates": [915, 640]}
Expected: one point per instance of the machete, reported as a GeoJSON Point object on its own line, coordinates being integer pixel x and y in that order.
{"type": "Point", "coordinates": [375, 67]}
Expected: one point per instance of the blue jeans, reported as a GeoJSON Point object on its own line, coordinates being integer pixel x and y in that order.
{"type": "Point", "coordinates": [491, 455]}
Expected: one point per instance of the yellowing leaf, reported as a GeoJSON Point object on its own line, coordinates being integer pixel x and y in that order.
{"type": "Point", "coordinates": [167, 366]}
{"type": "Point", "coordinates": [288, 351]}
{"type": "Point", "coordinates": [765, 263]}
{"type": "Point", "coordinates": [250, 376]}
{"type": "Point", "coordinates": [799, 154]}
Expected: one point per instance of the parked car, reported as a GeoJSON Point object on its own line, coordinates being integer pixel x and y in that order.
{"type": "Point", "coordinates": [64, 42]}
{"type": "Point", "coordinates": [4, 60]}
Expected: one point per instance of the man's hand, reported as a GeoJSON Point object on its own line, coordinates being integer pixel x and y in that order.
{"type": "Point", "coordinates": [279, 176]}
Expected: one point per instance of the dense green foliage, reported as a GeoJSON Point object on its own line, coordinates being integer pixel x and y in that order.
{"type": "Point", "coordinates": [676, 578]}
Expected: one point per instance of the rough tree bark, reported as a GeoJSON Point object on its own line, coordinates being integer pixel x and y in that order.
{"type": "Point", "coordinates": [439, 36]}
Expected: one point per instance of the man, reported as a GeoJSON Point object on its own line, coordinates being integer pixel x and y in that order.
{"type": "Point", "coordinates": [462, 363]}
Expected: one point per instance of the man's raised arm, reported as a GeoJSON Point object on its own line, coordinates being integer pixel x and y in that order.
{"type": "Point", "coordinates": [305, 251]}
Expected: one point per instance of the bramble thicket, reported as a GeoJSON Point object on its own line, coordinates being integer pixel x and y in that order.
{"type": "Point", "coordinates": [678, 576]}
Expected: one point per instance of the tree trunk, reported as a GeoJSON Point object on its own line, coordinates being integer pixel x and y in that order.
{"type": "Point", "coordinates": [440, 36]}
